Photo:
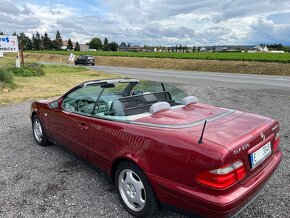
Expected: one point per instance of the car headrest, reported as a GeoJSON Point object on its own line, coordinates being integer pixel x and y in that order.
{"type": "Point", "coordinates": [189, 100]}
{"type": "Point", "coordinates": [159, 106]}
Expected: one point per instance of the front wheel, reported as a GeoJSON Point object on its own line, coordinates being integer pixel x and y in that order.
{"type": "Point", "coordinates": [38, 131]}
{"type": "Point", "coordinates": [135, 191]}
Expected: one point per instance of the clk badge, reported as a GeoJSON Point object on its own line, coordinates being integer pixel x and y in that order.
{"type": "Point", "coordinates": [262, 135]}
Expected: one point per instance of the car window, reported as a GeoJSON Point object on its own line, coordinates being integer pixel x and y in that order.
{"type": "Point", "coordinates": [148, 86]}
{"type": "Point", "coordinates": [82, 100]}
{"type": "Point", "coordinates": [177, 94]}
{"type": "Point", "coordinates": [108, 105]}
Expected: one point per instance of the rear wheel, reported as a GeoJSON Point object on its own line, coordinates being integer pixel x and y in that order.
{"type": "Point", "coordinates": [38, 131]}
{"type": "Point", "coordinates": [135, 191]}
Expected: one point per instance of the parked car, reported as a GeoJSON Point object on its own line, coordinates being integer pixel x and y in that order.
{"type": "Point", "coordinates": [159, 145]}
{"type": "Point", "coordinates": [85, 60]}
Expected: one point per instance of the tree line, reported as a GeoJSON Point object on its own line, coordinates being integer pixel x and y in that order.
{"type": "Point", "coordinates": [44, 42]}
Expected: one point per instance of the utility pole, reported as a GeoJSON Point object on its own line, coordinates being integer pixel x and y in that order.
{"type": "Point", "coordinates": [22, 56]}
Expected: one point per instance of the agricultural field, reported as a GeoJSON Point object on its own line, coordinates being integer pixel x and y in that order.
{"type": "Point", "coordinates": [229, 66]}
{"type": "Point", "coordinates": [222, 56]}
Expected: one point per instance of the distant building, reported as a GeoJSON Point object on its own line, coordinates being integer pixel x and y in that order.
{"type": "Point", "coordinates": [203, 49]}
{"type": "Point", "coordinates": [84, 47]}
{"type": "Point", "coordinates": [132, 48]}
{"type": "Point", "coordinates": [259, 49]}
{"type": "Point", "coordinates": [65, 44]}
{"type": "Point", "coordinates": [220, 49]}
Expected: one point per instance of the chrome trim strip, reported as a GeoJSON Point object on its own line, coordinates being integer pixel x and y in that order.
{"type": "Point", "coordinates": [275, 127]}
{"type": "Point", "coordinates": [110, 81]}
{"type": "Point", "coordinates": [177, 126]}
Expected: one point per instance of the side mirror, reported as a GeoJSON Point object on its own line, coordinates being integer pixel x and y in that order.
{"type": "Point", "coordinates": [53, 104]}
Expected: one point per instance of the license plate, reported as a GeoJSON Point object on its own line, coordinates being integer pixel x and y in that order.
{"type": "Point", "coordinates": [260, 155]}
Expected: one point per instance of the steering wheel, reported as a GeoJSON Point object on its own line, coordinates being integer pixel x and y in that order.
{"type": "Point", "coordinates": [80, 104]}
{"type": "Point", "coordinates": [101, 106]}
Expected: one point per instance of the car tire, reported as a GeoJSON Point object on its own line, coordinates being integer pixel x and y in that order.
{"type": "Point", "coordinates": [38, 132]}
{"type": "Point", "coordinates": [76, 63]}
{"type": "Point", "coordinates": [93, 64]}
{"type": "Point", "coordinates": [135, 191]}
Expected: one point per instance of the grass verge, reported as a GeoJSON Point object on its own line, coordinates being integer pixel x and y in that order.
{"type": "Point", "coordinates": [57, 80]}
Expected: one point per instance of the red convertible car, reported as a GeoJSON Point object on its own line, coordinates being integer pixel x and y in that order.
{"type": "Point", "coordinates": [159, 145]}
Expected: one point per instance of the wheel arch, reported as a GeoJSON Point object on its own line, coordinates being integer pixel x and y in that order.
{"type": "Point", "coordinates": [117, 162]}
{"type": "Point", "coordinates": [33, 114]}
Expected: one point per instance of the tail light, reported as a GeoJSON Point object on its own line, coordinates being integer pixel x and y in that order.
{"type": "Point", "coordinates": [276, 142]}
{"type": "Point", "coordinates": [223, 177]}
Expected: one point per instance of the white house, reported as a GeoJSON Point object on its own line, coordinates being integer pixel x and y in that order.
{"type": "Point", "coordinates": [84, 47]}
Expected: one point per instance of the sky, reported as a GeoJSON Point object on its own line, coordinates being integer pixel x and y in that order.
{"type": "Point", "coordinates": [152, 22]}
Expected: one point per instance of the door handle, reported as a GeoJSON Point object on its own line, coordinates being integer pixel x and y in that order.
{"type": "Point", "coordinates": [83, 126]}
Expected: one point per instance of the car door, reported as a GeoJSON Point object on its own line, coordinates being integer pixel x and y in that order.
{"type": "Point", "coordinates": [83, 60]}
{"type": "Point", "coordinates": [70, 123]}
{"type": "Point", "coordinates": [106, 139]}
{"type": "Point", "coordinates": [106, 135]}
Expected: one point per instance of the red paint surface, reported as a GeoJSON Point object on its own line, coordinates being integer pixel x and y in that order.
{"type": "Point", "coordinates": [171, 158]}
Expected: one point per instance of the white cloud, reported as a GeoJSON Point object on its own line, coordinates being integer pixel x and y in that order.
{"type": "Point", "coordinates": [266, 31]}
{"type": "Point", "coordinates": [166, 22]}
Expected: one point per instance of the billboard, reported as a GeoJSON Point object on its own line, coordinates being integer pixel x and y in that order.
{"type": "Point", "coordinates": [8, 44]}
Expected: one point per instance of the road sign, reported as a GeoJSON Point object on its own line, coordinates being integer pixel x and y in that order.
{"type": "Point", "coordinates": [8, 43]}
{"type": "Point", "coordinates": [71, 57]}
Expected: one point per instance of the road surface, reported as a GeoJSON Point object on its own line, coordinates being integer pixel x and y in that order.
{"type": "Point", "coordinates": [227, 80]}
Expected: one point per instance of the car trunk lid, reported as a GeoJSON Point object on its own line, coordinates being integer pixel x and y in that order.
{"type": "Point", "coordinates": [249, 138]}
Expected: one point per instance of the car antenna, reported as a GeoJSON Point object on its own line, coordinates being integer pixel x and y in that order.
{"type": "Point", "coordinates": [200, 139]}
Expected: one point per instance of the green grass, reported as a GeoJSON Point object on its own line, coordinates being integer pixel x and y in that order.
{"type": "Point", "coordinates": [60, 69]}
{"type": "Point", "coordinates": [6, 75]}
{"type": "Point", "coordinates": [223, 56]}
{"type": "Point", "coordinates": [56, 80]}
{"type": "Point", "coordinates": [29, 70]}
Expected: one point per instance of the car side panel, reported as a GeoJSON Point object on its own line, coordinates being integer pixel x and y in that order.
{"type": "Point", "coordinates": [70, 130]}
{"type": "Point", "coordinates": [170, 154]}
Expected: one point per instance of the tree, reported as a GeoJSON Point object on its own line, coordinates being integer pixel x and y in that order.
{"type": "Point", "coordinates": [1, 33]}
{"type": "Point", "coordinates": [96, 43]}
{"type": "Point", "coordinates": [77, 47]}
{"type": "Point", "coordinates": [113, 46]}
{"type": "Point", "coordinates": [46, 42]}
{"type": "Point", "coordinates": [58, 40]}
{"type": "Point", "coordinates": [70, 45]}
{"type": "Point", "coordinates": [106, 45]}
{"type": "Point", "coordinates": [129, 44]}
{"type": "Point", "coordinates": [36, 41]}
{"type": "Point", "coordinates": [25, 40]}
{"type": "Point", "coordinates": [123, 44]}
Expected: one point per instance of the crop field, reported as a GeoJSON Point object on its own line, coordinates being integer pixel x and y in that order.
{"type": "Point", "coordinates": [222, 56]}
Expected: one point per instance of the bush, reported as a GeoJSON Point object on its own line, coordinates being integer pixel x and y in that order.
{"type": "Point", "coordinates": [6, 75]}
{"type": "Point", "coordinates": [29, 70]}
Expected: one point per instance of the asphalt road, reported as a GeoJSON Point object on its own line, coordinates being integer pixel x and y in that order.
{"type": "Point", "coordinates": [51, 182]}
{"type": "Point", "coordinates": [229, 80]}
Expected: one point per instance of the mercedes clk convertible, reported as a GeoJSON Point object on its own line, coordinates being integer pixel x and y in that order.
{"type": "Point", "coordinates": [160, 146]}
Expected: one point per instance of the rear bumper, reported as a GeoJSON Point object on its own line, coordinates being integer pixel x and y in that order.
{"type": "Point", "coordinates": [209, 203]}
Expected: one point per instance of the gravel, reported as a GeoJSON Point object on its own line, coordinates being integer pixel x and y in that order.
{"type": "Point", "coordinates": [51, 182]}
